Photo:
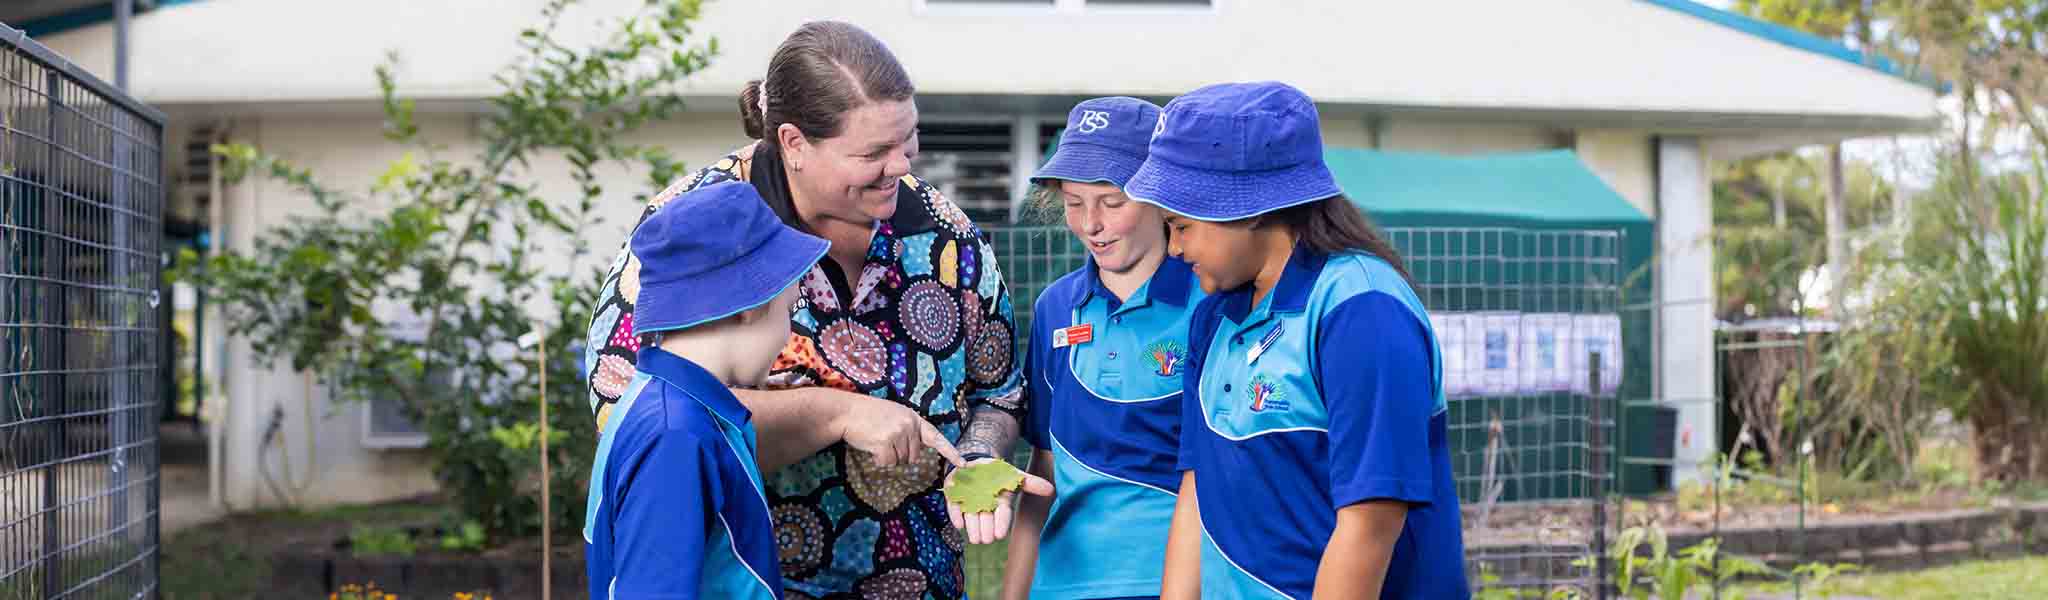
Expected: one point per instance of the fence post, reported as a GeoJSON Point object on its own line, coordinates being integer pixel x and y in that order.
{"type": "Point", "coordinates": [1596, 441]}
{"type": "Point", "coordinates": [55, 263]}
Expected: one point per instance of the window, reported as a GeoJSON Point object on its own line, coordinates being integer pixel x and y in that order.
{"type": "Point", "coordinates": [969, 161]}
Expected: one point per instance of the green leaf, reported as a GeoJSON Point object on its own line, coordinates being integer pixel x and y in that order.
{"type": "Point", "coordinates": [975, 487]}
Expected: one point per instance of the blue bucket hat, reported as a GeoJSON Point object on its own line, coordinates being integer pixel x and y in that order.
{"type": "Point", "coordinates": [1233, 151]}
{"type": "Point", "coordinates": [712, 253]}
{"type": "Point", "coordinates": [1104, 142]}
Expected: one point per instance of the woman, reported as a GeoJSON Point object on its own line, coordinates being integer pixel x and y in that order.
{"type": "Point", "coordinates": [1105, 404]}
{"type": "Point", "coordinates": [1314, 406]}
{"type": "Point", "coordinates": [901, 338]}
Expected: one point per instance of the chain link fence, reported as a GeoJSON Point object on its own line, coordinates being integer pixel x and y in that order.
{"type": "Point", "coordinates": [81, 197]}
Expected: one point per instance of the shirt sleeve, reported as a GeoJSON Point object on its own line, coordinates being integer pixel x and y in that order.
{"type": "Point", "coordinates": [1038, 379]}
{"type": "Point", "coordinates": [667, 500]}
{"type": "Point", "coordinates": [992, 368]}
{"type": "Point", "coordinates": [1193, 420]}
{"type": "Point", "coordinates": [1380, 401]}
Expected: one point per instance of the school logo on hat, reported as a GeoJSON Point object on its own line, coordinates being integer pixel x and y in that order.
{"type": "Point", "coordinates": [1266, 395]}
{"type": "Point", "coordinates": [1092, 121]}
{"type": "Point", "coordinates": [1167, 356]}
{"type": "Point", "coordinates": [1161, 127]}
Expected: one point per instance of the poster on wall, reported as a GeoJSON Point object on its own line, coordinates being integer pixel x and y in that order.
{"type": "Point", "coordinates": [1495, 337]}
{"type": "Point", "coordinates": [1596, 333]}
{"type": "Point", "coordinates": [1545, 345]}
{"type": "Point", "coordinates": [1459, 380]}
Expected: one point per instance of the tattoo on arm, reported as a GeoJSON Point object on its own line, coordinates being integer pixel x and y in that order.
{"type": "Point", "coordinates": [989, 430]}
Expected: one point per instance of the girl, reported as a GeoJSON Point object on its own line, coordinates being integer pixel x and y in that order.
{"type": "Point", "coordinates": [1104, 365]}
{"type": "Point", "coordinates": [1314, 410]}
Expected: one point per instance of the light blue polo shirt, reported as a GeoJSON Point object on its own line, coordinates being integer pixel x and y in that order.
{"type": "Point", "coordinates": [1326, 394]}
{"type": "Point", "coordinates": [676, 509]}
{"type": "Point", "coordinates": [1109, 411]}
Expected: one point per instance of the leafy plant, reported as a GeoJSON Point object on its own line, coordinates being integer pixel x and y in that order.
{"type": "Point", "coordinates": [415, 288]}
{"type": "Point", "coordinates": [380, 541]}
{"type": "Point", "coordinates": [467, 537]}
{"type": "Point", "coordinates": [1639, 574]}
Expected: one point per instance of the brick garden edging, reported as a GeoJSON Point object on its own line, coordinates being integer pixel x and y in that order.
{"type": "Point", "coordinates": [1878, 543]}
{"type": "Point", "coordinates": [314, 572]}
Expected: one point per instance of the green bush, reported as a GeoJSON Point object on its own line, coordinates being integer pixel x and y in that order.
{"type": "Point", "coordinates": [417, 287]}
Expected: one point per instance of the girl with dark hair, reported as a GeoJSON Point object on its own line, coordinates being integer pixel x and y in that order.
{"type": "Point", "coordinates": [1313, 415]}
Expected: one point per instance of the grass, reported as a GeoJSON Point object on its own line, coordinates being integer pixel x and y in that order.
{"type": "Point", "coordinates": [2017, 579]}
{"type": "Point", "coordinates": [984, 567]}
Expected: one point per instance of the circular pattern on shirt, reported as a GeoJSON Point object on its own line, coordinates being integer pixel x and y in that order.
{"type": "Point", "coordinates": [613, 374]}
{"type": "Point", "coordinates": [970, 314]}
{"type": "Point", "coordinates": [988, 362]}
{"type": "Point", "coordinates": [799, 537]}
{"type": "Point", "coordinates": [895, 541]}
{"type": "Point", "coordinates": [885, 488]}
{"type": "Point", "coordinates": [897, 584]}
{"type": "Point", "coordinates": [929, 314]}
{"type": "Point", "coordinates": [855, 351]}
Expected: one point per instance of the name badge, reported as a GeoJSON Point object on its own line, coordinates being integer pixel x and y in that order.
{"type": "Point", "coordinates": [1073, 336]}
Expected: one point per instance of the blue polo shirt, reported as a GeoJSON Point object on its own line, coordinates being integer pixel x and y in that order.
{"type": "Point", "coordinates": [1326, 394]}
{"type": "Point", "coordinates": [1109, 411]}
{"type": "Point", "coordinates": [676, 509]}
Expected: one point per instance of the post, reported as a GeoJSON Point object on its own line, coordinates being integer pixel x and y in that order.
{"type": "Point", "coordinates": [56, 267]}
{"type": "Point", "coordinates": [547, 517]}
{"type": "Point", "coordinates": [123, 10]}
{"type": "Point", "coordinates": [1595, 441]}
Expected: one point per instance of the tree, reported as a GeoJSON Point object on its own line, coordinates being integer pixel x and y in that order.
{"type": "Point", "coordinates": [452, 240]}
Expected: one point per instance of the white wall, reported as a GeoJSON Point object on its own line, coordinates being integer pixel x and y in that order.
{"type": "Point", "coordinates": [1624, 159]}
{"type": "Point", "coordinates": [1610, 56]}
{"type": "Point", "coordinates": [1454, 137]}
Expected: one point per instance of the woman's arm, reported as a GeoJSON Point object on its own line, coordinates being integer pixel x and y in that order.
{"type": "Point", "coordinates": [795, 423]}
{"type": "Point", "coordinates": [1183, 580]}
{"type": "Point", "coordinates": [1355, 561]}
{"type": "Point", "coordinates": [1031, 512]}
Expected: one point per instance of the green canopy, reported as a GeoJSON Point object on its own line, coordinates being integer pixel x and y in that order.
{"type": "Point", "coordinates": [1550, 186]}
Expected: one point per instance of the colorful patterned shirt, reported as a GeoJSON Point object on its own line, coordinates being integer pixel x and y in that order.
{"type": "Point", "coordinates": [927, 323]}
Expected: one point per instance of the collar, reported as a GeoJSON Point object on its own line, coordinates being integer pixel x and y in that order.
{"type": "Point", "coordinates": [1290, 295]}
{"type": "Point", "coordinates": [1170, 283]}
{"type": "Point", "coordinates": [699, 383]}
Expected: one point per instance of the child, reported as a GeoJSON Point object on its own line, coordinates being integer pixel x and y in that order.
{"type": "Point", "coordinates": [1105, 404]}
{"type": "Point", "coordinates": [1314, 409]}
{"type": "Point", "coordinates": [676, 505]}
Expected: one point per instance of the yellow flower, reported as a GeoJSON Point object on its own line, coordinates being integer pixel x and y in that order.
{"type": "Point", "coordinates": [465, 596]}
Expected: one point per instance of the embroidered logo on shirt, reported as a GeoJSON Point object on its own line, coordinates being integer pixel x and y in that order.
{"type": "Point", "coordinates": [1167, 356]}
{"type": "Point", "coordinates": [1092, 121]}
{"type": "Point", "coordinates": [1266, 395]}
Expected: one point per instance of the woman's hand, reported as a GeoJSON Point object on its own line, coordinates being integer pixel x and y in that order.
{"type": "Point", "coordinates": [987, 528]}
{"type": "Point", "coordinates": [890, 431]}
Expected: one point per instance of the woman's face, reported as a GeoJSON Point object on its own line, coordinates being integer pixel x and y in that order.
{"type": "Point", "coordinates": [1119, 233]}
{"type": "Point", "coordinates": [853, 176]}
{"type": "Point", "coordinates": [1224, 255]}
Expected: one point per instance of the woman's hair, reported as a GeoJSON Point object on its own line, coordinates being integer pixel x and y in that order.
{"type": "Point", "coordinates": [1334, 224]}
{"type": "Point", "coordinates": [820, 72]}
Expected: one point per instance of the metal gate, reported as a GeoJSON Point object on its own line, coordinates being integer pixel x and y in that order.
{"type": "Point", "coordinates": [81, 202]}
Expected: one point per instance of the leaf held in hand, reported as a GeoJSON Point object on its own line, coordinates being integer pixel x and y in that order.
{"type": "Point", "coordinates": [975, 487]}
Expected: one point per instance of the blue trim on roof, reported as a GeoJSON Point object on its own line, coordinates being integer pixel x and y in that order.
{"type": "Point", "coordinates": [1795, 39]}
{"type": "Point", "coordinates": [87, 17]}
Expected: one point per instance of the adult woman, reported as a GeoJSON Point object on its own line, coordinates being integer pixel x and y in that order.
{"type": "Point", "coordinates": [1314, 406]}
{"type": "Point", "coordinates": [901, 337]}
{"type": "Point", "coordinates": [1105, 406]}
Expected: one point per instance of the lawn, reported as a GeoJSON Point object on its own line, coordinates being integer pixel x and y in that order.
{"type": "Point", "coordinates": [2017, 579]}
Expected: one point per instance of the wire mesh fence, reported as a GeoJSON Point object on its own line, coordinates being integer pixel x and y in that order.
{"type": "Point", "coordinates": [80, 208]}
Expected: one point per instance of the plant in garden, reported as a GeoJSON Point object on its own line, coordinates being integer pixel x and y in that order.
{"type": "Point", "coordinates": [1664, 574]}
{"type": "Point", "coordinates": [416, 288]}
{"type": "Point", "coordinates": [380, 541]}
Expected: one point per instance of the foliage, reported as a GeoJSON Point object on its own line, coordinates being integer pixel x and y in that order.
{"type": "Point", "coordinates": [2018, 579]}
{"type": "Point", "coordinates": [415, 288]}
{"type": "Point", "coordinates": [380, 541]}
{"type": "Point", "coordinates": [466, 537]}
{"type": "Point", "coordinates": [1639, 574]}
